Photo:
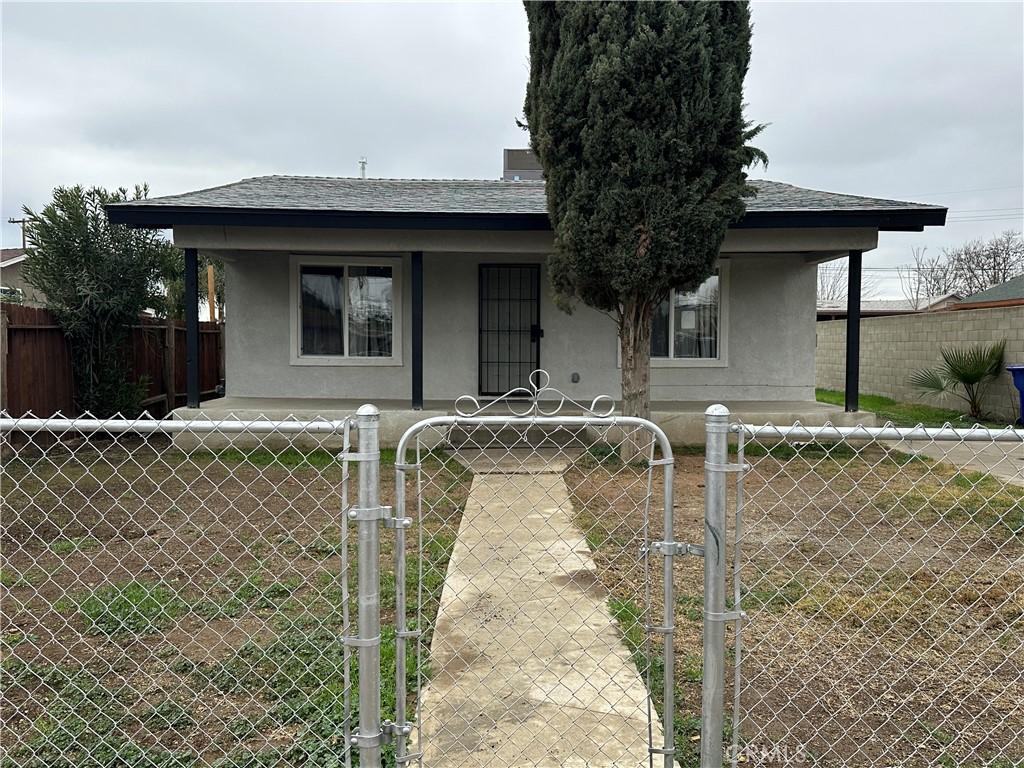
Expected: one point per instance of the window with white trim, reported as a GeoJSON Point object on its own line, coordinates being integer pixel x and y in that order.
{"type": "Point", "coordinates": [346, 310]}
{"type": "Point", "coordinates": [687, 325]}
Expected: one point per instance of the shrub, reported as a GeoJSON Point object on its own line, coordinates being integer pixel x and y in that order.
{"type": "Point", "coordinates": [965, 373]}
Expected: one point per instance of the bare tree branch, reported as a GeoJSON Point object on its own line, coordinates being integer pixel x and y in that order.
{"type": "Point", "coordinates": [833, 283]}
{"type": "Point", "coordinates": [964, 270]}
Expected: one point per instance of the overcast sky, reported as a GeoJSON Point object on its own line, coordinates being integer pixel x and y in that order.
{"type": "Point", "coordinates": [921, 101]}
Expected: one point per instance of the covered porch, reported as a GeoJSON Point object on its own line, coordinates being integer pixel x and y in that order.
{"type": "Point", "coordinates": [562, 343]}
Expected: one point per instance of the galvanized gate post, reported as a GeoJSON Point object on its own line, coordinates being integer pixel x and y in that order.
{"type": "Point", "coordinates": [716, 465]}
{"type": "Point", "coordinates": [369, 515]}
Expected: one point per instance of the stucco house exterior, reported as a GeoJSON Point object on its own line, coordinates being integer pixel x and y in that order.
{"type": "Point", "coordinates": [13, 283]}
{"type": "Point", "coordinates": [409, 293]}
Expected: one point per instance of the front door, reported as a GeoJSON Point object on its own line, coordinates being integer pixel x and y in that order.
{"type": "Point", "coordinates": [510, 329]}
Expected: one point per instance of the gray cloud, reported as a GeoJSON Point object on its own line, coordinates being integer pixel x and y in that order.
{"type": "Point", "coordinates": [916, 100]}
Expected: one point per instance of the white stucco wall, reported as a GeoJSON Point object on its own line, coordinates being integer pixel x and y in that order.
{"type": "Point", "coordinates": [770, 342]}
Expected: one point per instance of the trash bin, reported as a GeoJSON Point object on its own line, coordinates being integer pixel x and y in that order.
{"type": "Point", "coordinates": [1017, 372]}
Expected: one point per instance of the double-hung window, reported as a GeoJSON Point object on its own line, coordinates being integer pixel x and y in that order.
{"type": "Point", "coordinates": [346, 313]}
{"type": "Point", "coordinates": [689, 325]}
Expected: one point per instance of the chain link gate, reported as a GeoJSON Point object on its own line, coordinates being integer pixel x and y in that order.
{"type": "Point", "coordinates": [533, 586]}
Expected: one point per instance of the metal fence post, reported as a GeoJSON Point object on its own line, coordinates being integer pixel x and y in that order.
{"type": "Point", "coordinates": [370, 735]}
{"type": "Point", "coordinates": [716, 460]}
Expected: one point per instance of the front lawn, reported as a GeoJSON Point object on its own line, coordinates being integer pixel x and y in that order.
{"type": "Point", "coordinates": [884, 596]}
{"type": "Point", "coordinates": [162, 607]}
{"type": "Point", "coordinates": [903, 414]}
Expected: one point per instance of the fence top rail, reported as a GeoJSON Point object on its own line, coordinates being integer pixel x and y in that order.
{"type": "Point", "coordinates": [527, 421]}
{"type": "Point", "coordinates": [171, 426]}
{"type": "Point", "coordinates": [948, 433]}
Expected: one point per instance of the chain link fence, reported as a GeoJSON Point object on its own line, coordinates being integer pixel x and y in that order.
{"type": "Point", "coordinates": [882, 576]}
{"type": "Point", "coordinates": [175, 594]}
{"type": "Point", "coordinates": [183, 593]}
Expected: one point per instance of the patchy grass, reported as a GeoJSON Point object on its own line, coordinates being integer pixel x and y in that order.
{"type": "Point", "coordinates": [134, 607]}
{"type": "Point", "coordinates": [83, 722]}
{"type": "Point", "coordinates": [12, 640]}
{"type": "Point", "coordinates": [204, 626]}
{"type": "Point", "coordinates": [64, 547]}
{"type": "Point", "coordinates": [995, 508]}
{"type": "Point", "coordinates": [168, 714]}
{"type": "Point", "coordinates": [903, 414]}
{"type": "Point", "coordinates": [875, 586]}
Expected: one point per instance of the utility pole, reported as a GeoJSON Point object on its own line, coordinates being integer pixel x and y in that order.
{"type": "Point", "coordinates": [21, 223]}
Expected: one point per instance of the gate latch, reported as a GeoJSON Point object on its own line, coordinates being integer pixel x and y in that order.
{"type": "Point", "coordinates": [676, 548]}
{"type": "Point", "coordinates": [387, 734]}
{"type": "Point", "coordinates": [384, 514]}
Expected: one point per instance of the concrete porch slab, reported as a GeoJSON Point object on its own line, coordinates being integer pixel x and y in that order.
{"type": "Point", "coordinates": [683, 422]}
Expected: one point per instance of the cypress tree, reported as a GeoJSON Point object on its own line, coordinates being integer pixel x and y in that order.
{"type": "Point", "coordinates": [635, 112]}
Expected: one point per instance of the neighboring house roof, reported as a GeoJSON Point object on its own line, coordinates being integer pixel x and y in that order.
{"type": "Point", "coordinates": [11, 256]}
{"type": "Point", "coordinates": [889, 306]}
{"type": "Point", "coordinates": [476, 204]}
{"type": "Point", "coordinates": [1005, 294]}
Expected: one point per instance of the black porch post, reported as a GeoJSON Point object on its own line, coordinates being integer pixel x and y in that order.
{"type": "Point", "coordinates": [417, 330]}
{"type": "Point", "coordinates": [192, 326]}
{"type": "Point", "coordinates": [853, 333]}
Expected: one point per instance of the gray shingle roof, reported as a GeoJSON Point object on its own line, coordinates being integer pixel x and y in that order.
{"type": "Point", "coordinates": [461, 196]}
{"type": "Point", "coordinates": [1011, 289]}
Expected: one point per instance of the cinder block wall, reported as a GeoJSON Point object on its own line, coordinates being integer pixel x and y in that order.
{"type": "Point", "coordinates": [893, 347]}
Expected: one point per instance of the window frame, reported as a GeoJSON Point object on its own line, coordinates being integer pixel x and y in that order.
{"type": "Point", "coordinates": [297, 262]}
{"type": "Point", "coordinates": [722, 361]}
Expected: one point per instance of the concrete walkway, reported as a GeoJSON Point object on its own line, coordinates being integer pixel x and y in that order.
{"type": "Point", "coordinates": [528, 668]}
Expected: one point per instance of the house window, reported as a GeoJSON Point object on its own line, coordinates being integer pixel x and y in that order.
{"type": "Point", "coordinates": [346, 312]}
{"type": "Point", "coordinates": [687, 326]}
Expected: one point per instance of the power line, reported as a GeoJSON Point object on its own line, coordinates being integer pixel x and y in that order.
{"type": "Point", "coordinates": [957, 220]}
{"type": "Point", "coordinates": [965, 191]}
{"type": "Point", "coordinates": [986, 210]}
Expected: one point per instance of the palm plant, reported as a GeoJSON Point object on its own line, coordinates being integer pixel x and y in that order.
{"type": "Point", "coordinates": [965, 372]}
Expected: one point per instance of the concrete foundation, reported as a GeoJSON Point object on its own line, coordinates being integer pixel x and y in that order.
{"type": "Point", "coordinates": [683, 422]}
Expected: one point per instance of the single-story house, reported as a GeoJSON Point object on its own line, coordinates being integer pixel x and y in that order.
{"type": "Point", "coordinates": [411, 292]}
{"type": "Point", "coordinates": [12, 282]}
{"type": "Point", "coordinates": [836, 310]}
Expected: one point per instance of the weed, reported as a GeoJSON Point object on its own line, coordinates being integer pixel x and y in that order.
{"type": "Point", "coordinates": [816, 451]}
{"type": "Point", "coordinates": [693, 607]}
{"type": "Point", "coordinates": [82, 724]}
{"type": "Point", "coordinates": [250, 592]}
{"type": "Point", "coordinates": [14, 639]}
{"type": "Point", "coordinates": [600, 454]}
{"type": "Point", "coordinates": [133, 608]}
{"type": "Point", "coordinates": [12, 580]}
{"type": "Point", "coordinates": [301, 674]}
{"type": "Point", "coordinates": [68, 546]}
{"type": "Point", "coordinates": [168, 715]}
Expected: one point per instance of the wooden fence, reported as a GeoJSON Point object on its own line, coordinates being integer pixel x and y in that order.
{"type": "Point", "coordinates": [37, 373]}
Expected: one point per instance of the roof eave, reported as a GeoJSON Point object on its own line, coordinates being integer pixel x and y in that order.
{"type": "Point", "coordinates": [165, 217]}
{"type": "Point", "coordinates": [892, 220]}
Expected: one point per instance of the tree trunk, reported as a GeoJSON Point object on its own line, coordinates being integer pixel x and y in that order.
{"type": "Point", "coordinates": [635, 346]}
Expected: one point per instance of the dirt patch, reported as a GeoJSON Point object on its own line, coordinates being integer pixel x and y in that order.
{"type": "Point", "coordinates": [186, 608]}
{"type": "Point", "coordinates": [885, 601]}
